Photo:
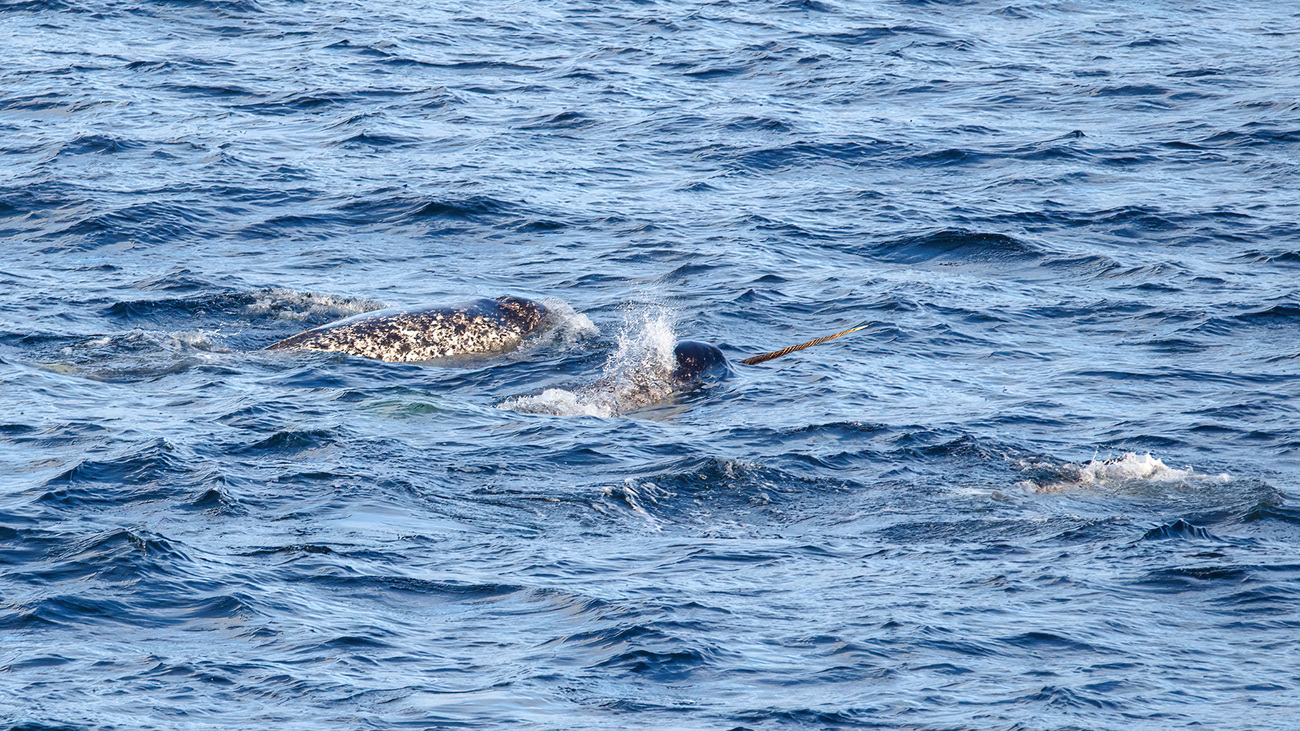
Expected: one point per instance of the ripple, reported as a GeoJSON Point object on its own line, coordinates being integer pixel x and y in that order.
{"type": "Point", "coordinates": [1177, 530]}
{"type": "Point", "coordinates": [956, 245]}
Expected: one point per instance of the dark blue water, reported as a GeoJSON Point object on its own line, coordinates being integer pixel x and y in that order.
{"type": "Point", "coordinates": [1054, 484]}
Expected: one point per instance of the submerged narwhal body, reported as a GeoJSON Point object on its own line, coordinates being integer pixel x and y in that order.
{"type": "Point", "coordinates": [478, 327]}
{"type": "Point", "coordinates": [411, 335]}
{"type": "Point", "coordinates": [635, 377]}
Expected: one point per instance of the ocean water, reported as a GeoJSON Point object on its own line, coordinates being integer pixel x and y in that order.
{"type": "Point", "coordinates": [1054, 483]}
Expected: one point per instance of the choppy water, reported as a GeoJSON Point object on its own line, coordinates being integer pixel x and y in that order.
{"type": "Point", "coordinates": [1053, 485]}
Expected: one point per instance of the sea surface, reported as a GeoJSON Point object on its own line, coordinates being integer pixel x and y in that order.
{"type": "Point", "coordinates": [1053, 484]}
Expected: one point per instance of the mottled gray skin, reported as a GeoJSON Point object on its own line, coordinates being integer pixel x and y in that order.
{"type": "Point", "coordinates": [479, 327]}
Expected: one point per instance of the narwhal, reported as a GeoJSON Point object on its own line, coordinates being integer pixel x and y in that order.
{"type": "Point", "coordinates": [414, 334]}
{"type": "Point", "coordinates": [484, 327]}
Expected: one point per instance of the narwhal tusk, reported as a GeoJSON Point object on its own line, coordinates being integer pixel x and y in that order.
{"type": "Point", "coordinates": [786, 351]}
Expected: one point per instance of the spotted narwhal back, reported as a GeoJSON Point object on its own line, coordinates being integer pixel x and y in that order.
{"type": "Point", "coordinates": [407, 335]}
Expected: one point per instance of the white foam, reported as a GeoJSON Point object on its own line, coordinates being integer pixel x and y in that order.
{"type": "Point", "coordinates": [1128, 469]}
{"type": "Point", "coordinates": [557, 401]}
{"type": "Point", "coordinates": [569, 327]}
{"type": "Point", "coordinates": [637, 374]}
{"type": "Point", "coordinates": [295, 306]}
{"type": "Point", "coordinates": [645, 344]}
{"type": "Point", "coordinates": [199, 340]}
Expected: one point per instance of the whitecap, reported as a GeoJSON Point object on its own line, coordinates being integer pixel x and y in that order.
{"type": "Point", "coordinates": [1128, 469]}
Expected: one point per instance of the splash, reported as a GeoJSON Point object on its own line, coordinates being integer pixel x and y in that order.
{"type": "Point", "coordinates": [637, 374]}
{"type": "Point", "coordinates": [294, 306]}
{"type": "Point", "coordinates": [199, 340]}
{"type": "Point", "coordinates": [567, 327]}
{"type": "Point", "coordinates": [1129, 469]}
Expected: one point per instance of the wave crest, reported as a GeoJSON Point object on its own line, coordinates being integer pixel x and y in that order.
{"type": "Point", "coordinates": [1128, 470]}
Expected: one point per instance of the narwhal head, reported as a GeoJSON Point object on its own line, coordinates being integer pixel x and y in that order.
{"type": "Point", "coordinates": [696, 360]}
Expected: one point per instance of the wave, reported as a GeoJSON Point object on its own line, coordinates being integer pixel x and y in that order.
{"type": "Point", "coordinates": [117, 577]}
{"type": "Point", "coordinates": [98, 144]}
{"type": "Point", "coordinates": [154, 471]}
{"type": "Point", "coordinates": [560, 120]}
{"type": "Point", "coordinates": [291, 443]}
{"type": "Point", "coordinates": [1178, 530]}
{"type": "Point", "coordinates": [219, 8]}
{"type": "Point", "coordinates": [870, 34]}
{"type": "Point", "coordinates": [374, 140]}
{"type": "Point", "coordinates": [1243, 588]}
{"type": "Point", "coordinates": [801, 154]}
{"type": "Point", "coordinates": [1280, 257]}
{"type": "Point", "coordinates": [1252, 135]}
{"type": "Point", "coordinates": [721, 496]}
{"type": "Point", "coordinates": [1283, 314]}
{"type": "Point", "coordinates": [56, 6]}
{"type": "Point", "coordinates": [961, 245]}
{"type": "Point", "coordinates": [1273, 318]}
{"type": "Point", "coordinates": [153, 223]}
{"type": "Point", "coordinates": [1052, 151]}
{"type": "Point", "coordinates": [1125, 472]}
{"type": "Point", "coordinates": [387, 208]}
{"type": "Point", "coordinates": [295, 103]}
{"type": "Point", "coordinates": [51, 102]}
